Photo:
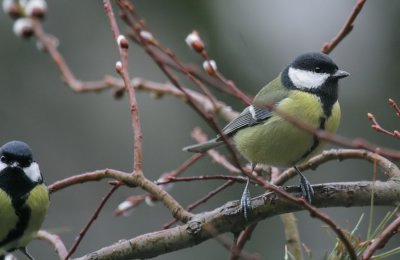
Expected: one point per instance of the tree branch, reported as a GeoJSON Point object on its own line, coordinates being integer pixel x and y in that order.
{"type": "Point", "coordinates": [131, 180]}
{"type": "Point", "coordinates": [228, 218]}
{"type": "Point", "coordinates": [346, 29]}
{"type": "Point", "coordinates": [122, 69]}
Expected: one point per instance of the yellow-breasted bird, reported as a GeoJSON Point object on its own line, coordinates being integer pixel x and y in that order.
{"type": "Point", "coordinates": [306, 89]}
{"type": "Point", "coordinates": [24, 198]}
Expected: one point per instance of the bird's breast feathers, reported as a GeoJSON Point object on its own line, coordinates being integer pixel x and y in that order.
{"type": "Point", "coordinates": [280, 143]}
{"type": "Point", "coordinates": [38, 203]}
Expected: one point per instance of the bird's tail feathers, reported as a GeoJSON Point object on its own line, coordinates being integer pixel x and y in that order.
{"type": "Point", "coordinates": [203, 147]}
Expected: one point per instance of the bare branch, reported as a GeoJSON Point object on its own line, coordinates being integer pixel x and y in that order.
{"type": "Point", "coordinates": [243, 238]}
{"type": "Point", "coordinates": [346, 29]}
{"type": "Point", "coordinates": [379, 242]}
{"type": "Point", "coordinates": [202, 200]}
{"type": "Point", "coordinates": [55, 240]}
{"type": "Point", "coordinates": [123, 44]}
{"type": "Point", "coordinates": [131, 180]}
{"type": "Point", "coordinates": [70, 79]}
{"type": "Point", "coordinates": [386, 166]}
{"type": "Point", "coordinates": [228, 218]}
{"type": "Point", "coordinates": [83, 231]}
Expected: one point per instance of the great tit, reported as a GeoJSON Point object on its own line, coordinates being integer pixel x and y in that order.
{"type": "Point", "coordinates": [306, 89]}
{"type": "Point", "coordinates": [24, 198]}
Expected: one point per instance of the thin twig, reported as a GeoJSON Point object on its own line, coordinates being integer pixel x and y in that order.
{"type": "Point", "coordinates": [244, 237]}
{"type": "Point", "coordinates": [202, 200]}
{"type": "Point", "coordinates": [387, 166]}
{"type": "Point", "coordinates": [379, 242]}
{"type": "Point", "coordinates": [83, 231]}
{"type": "Point", "coordinates": [124, 72]}
{"type": "Point", "coordinates": [131, 180]}
{"type": "Point", "coordinates": [92, 176]}
{"type": "Point", "coordinates": [134, 201]}
{"type": "Point", "coordinates": [313, 212]}
{"type": "Point", "coordinates": [184, 166]}
{"type": "Point", "coordinates": [55, 240]}
{"type": "Point", "coordinates": [200, 137]}
{"type": "Point", "coordinates": [377, 127]}
{"type": "Point", "coordinates": [395, 106]}
{"type": "Point", "coordinates": [346, 29]}
{"type": "Point", "coordinates": [202, 178]}
{"type": "Point", "coordinates": [70, 79]}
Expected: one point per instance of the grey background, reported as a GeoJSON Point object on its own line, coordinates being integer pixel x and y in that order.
{"type": "Point", "coordinates": [251, 41]}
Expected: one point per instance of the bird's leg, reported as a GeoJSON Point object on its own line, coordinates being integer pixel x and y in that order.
{"type": "Point", "coordinates": [307, 190]}
{"type": "Point", "coordinates": [245, 200]}
{"type": "Point", "coordinates": [25, 252]}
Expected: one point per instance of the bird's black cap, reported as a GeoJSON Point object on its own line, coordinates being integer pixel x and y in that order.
{"type": "Point", "coordinates": [16, 151]}
{"type": "Point", "coordinates": [313, 61]}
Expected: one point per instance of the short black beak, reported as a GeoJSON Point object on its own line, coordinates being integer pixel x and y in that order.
{"type": "Point", "coordinates": [15, 165]}
{"type": "Point", "coordinates": [340, 74]}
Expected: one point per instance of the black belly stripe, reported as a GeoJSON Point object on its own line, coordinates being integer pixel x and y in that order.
{"type": "Point", "coordinates": [23, 213]}
{"type": "Point", "coordinates": [315, 143]}
{"type": "Point", "coordinates": [9, 179]}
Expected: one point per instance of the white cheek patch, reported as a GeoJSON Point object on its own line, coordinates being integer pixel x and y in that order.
{"type": "Point", "coordinates": [307, 79]}
{"type": "Point", "coordinates": [33, 172]}
{"type": "Point", "coordinates": [2, 166]}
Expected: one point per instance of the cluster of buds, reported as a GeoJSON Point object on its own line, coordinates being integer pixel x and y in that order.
{"type": "Point", "coordinates": [23, 11]}
{"type": "Point", "coordinates": [196, 43]}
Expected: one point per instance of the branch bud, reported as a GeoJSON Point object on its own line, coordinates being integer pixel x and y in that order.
{"type": "Point", "coordinates": [195, 42]}
{"type": "Point", "coordinates": [12, 8]}
{"type": "Point", "coordinates": [122, 42]}
{"type": "Point", "coordinates": [36, 8]}
{"type": "Point", "coordinates": [23, 27]}
{"type": "Point", "coordinates": [210, 66]}
{"type": "Point", "coordinates": [118, 67]}
{"type": "Point", "coordinates": [150, 201]}
{"type": "Point", "coordinates": [147, 36]}
{"type": "Point", "coordinates": [126, 208]}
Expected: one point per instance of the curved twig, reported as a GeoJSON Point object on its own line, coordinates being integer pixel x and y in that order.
{"type": "Point", "coordinates": [55, 240]}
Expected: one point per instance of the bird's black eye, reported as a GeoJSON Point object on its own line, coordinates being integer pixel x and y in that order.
{"type": "Point", "coordinates": [3, 159]}
{"type": "Point", "coordinates": [317, 69]}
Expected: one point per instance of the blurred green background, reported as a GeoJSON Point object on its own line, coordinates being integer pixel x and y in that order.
{"type": "Point", "coordinates": [251, 41]}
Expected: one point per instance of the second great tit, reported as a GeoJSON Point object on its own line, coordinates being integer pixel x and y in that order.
{"type": "Point", "coordinates": [307, 89]}
{"type": "Point", "coordinates": [24, 198]}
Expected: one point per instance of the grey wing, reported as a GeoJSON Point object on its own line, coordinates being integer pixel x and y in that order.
{"type": "Point", "coordinates": [250, 116]}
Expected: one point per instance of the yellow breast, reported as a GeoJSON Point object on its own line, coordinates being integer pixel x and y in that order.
{"type": "Point", "coordinates": [280, 143]}
{"type": "Point", "coordinates": [37, 202]}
